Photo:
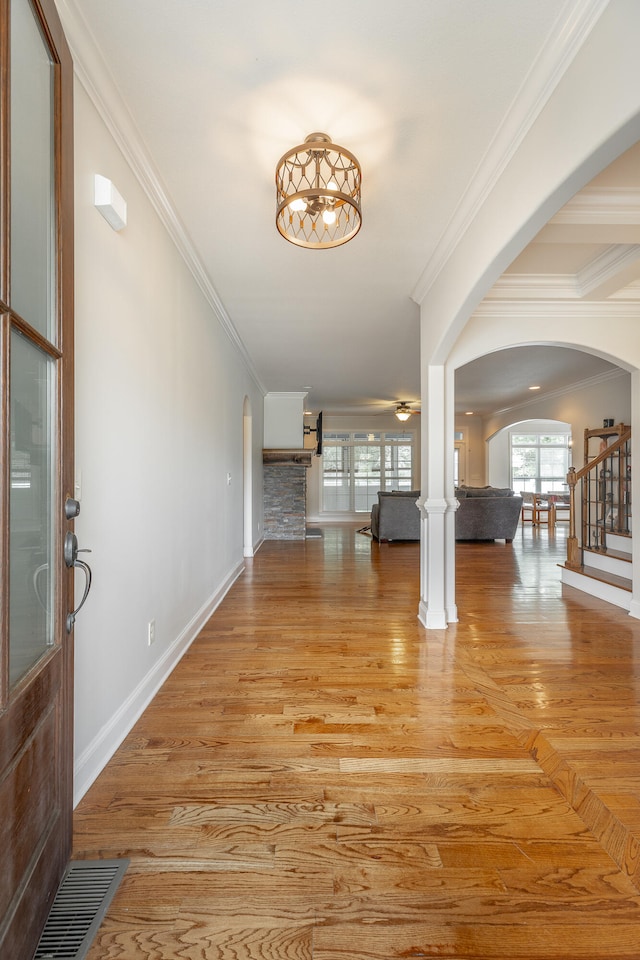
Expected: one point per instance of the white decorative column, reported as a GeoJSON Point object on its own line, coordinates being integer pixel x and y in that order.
{"type": "Point", "coordinates": [452, 501]}
{"type": "Point", "coordinates": [432, 613]}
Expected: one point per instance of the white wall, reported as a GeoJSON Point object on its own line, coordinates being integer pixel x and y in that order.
{"type": "Point", "coordinates": [160, 391]}
{"type": "Point", "coordinates": [284, 421]}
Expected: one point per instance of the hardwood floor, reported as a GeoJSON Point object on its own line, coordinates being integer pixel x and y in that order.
{"type": "Point", "coordinates": [323, 779]}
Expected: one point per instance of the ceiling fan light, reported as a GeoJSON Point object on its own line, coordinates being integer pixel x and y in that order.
{"type": "Point", "coordinates": [403, 412]}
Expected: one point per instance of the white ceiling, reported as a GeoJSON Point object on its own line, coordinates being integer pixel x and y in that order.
{"type": "Point", "coordinates": [504, 380]}
{"type": "Point", "coordinates": [218, 90]}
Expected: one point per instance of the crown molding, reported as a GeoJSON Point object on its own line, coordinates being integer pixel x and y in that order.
{"type": "Point", "coordinates": [92, 72]}
{"type": "Point", "coordinates": [532, 286]}
{"type": "Point", "coordinates": [630, 292]}
{"type": "Point", "coordinates": [287, 394]}
{"type": "Point", "coordinates": [608, 265]}
{"type": "Point", "coordinates": [572, 27]}
{"type": "Point", "coordinates": [609, 205]}
{"type": "Point", "coordinates": [558, 309]}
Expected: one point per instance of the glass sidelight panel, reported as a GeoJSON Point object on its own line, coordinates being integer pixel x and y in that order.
{"type": "Point", "coordinates": [32, 172]}
{"type": "Point", "coordinates": [31, 527]}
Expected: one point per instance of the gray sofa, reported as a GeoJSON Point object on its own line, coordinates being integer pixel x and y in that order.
{"type": "Point", "coordinates": [484, 513]}
{"type": "Point", "coordinates": [395, 516]}
{"type": "Point", "coordinates": [487, 513]}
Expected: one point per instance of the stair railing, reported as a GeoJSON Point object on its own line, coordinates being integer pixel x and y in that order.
{"type": "Point", "coordinates": [605, 497]}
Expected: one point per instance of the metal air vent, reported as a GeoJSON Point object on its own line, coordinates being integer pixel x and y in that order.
{"type": "Point", "coordinates": [84, 894]}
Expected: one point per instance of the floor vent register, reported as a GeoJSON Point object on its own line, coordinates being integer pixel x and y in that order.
{"type": "Point", "coordinates": [84, 894]}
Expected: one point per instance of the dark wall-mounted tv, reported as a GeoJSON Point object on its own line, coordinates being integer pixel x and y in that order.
{"type": "Point", "coordinates": [318, 432]}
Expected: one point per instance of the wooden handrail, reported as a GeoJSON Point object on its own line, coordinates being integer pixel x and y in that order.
{"type": "Point", "coordinates": [583, 471]}
{"type": "Point", "coordinates": [574, 559]}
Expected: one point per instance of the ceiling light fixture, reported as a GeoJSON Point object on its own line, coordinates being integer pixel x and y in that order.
{"type": "Point", "coordinates": [318, 194]}
{"type": "Point", "coordinates": [403, 412]}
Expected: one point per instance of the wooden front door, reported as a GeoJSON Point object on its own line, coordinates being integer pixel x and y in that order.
{"type": "Point", "coordinates": [36, 478]}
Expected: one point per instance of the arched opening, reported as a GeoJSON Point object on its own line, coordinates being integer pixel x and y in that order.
{"type": "Point", "coordinates": [576, 386]}
{"type": "Point", "coordinates": [520, 439]}
{"type": "Point", "coordinates": [531, 455]}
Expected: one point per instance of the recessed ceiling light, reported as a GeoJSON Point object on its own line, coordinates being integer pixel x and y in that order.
{"type": "Point", "coordinates": [468, 413]}
{"type": "Point", "coordinates": [534, 388]}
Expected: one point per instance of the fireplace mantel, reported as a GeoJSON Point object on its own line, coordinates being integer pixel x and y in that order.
{"type": "Point", "coordinates": [297, 458]}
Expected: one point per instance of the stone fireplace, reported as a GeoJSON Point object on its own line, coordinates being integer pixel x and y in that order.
{"type": "Point", "coordinates": [285, 493]}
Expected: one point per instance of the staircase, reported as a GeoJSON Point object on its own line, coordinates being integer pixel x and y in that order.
{"type": "Point", "coordinates": [606, 575]}
{"type": "Point", "coordinates": [601, 564]}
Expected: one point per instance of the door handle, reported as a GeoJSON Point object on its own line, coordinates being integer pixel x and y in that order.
{"type": "Point", "coordinates": [71, 552]}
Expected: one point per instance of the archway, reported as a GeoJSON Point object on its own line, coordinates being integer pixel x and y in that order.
{"type": "Point", "coordinates": [548, 474]}
{"type": "Point", "coordinates": [579, 406]}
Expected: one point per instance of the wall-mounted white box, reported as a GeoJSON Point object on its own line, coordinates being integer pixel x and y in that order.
{"type": "Point", "coordinates": [110, 203]}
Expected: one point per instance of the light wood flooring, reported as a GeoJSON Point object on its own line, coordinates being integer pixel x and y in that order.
{"type": "Point", "coordinates": [323, 779]}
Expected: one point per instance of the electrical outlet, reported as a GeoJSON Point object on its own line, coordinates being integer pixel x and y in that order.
{"type": "Point", "coordinates": [151, 632]}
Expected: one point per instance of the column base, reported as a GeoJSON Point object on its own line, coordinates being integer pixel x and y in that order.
{"type": "Point", "coordinates": [431, 619]}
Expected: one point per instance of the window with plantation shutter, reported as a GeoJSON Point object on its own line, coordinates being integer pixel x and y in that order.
{"type": "Point", "coordinates": [357, 464]}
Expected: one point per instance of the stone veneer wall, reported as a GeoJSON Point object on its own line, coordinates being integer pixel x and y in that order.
{"type": "Point", "coordinates": [285, 494]}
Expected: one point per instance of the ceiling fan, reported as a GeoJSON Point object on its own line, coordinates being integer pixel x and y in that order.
{"type": "Point", "coordinates": [404, 411]}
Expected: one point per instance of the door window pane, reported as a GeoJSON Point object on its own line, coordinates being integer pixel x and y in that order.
{"type": "Point", "coordinates": [31, 584]}
{"type": "Point", "coordinates": [32, 172]}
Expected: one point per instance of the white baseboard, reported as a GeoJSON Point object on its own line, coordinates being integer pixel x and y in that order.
{"type": "Point", "coordinates": [97, 754]}
{"type": "Point", "coordinates": [251, 551]}
{"type": "Point", "coordinates": [634, 609]}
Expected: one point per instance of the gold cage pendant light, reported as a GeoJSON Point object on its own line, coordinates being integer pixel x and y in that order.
{"type": "Point", "coordinates": [318, 194]}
